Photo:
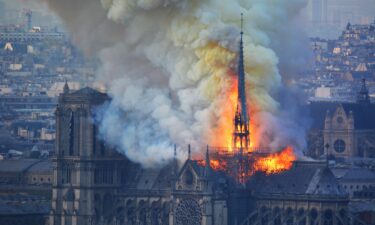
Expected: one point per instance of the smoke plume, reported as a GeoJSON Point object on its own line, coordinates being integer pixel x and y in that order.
{"type": "Point", "coordinates": [170, 67]}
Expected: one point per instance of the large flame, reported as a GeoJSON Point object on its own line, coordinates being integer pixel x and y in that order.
{"type": "Point", "coordinates": [276, 162]}
{"type": "Point", "coordinates": [267, 163]}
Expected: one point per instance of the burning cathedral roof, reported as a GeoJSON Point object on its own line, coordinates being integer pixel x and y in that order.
{"type": "Point", "coordinates": [303, 179]}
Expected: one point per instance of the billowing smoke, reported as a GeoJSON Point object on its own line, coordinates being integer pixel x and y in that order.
{"type": "Point", "coordinates": [170, 67]}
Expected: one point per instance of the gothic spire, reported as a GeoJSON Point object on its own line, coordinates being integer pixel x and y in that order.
{"type": "Point", "coordinates": [241, 137]}
{"type": "Point", "coordinates": [175, 163]}
{"type": "Point", "coordinates": [208, 165]}
{"type": "Point", "coordinates": [66, 87]}
{"type": "Point", "coordinates": [189, 152]}
{"type": "Point", "coordinates": [207, 157]}
{"type": "Point", "coordinates": [241, 78]}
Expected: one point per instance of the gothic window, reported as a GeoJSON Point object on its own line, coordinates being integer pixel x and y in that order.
{"type": "Point", "coordinates": [340, 120]}
{"type": "Point", "coordinates": [189, 178]}
{"type": "Point", "coordinates": [142, 212]}
{"type": "Point", "coordinates": [165, 214]}
{"type": "Point", "coordinates": [313, 216]}
{"type": "Point", "coordinates": [342, 218]}
{"type": "Point", "coordinates": [107, 206]}
{"type": "Point", "coordinates": [289, 216]}
{"type": "Point", "coordinates": [188, 212]}
{"type": "Point", "coordinates": [301, 217]}
{"type": "Point", "coordinates": [94, 139]}
{"type": "Point", "coordinates": [277, 216]}
{"type": "Point", "coordinates": [64, 134]}
{"type": "Point", "coordinates": [71, 133]}
{"type": "Point", "coordinates": [328, 217]}
{"type": "Point", "coordinates": [66, 174]}
{"type": "Point", "coordinates": [264, 212]}
{"type": "Point", "coordinates": [155, 214]}
{"type": "Point", "coordinates": [339, 145]}
{"type": "Point", "coordinates": [130, 212]}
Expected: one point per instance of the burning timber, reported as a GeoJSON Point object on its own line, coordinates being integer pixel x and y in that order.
{"type": "Point", "coordinates": [241, 165]}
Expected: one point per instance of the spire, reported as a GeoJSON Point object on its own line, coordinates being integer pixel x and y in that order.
{"type": "Point", "coordinates": [189, 152]}
{"type": "Point", "coordinates": [241, 134]}
{"type": "Point", "coordinates": [241, 78]}
{"type": "Point", "coordinates": [363, 95]}
{"type": "Point", "coordinates": [207, 157]}
{"type": "Point", "coordinates": [175, 164]}
{"type": "Point", "coordinates": [208, 165]}
{"type": "Point", "coordinates": [66, 87]}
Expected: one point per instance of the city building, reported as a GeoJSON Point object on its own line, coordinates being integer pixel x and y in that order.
{"type": "Point", "coordinates": [343, 129]}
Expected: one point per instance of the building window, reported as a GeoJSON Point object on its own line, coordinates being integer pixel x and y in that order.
{"type": "Point", "coordinates": [71, 134]}
{"type": "Point", "coordinates": [328, 217]}
{"type": "Point", "coordinates": [339, 120]}
{"type": "Point", "coordinates": [339, 146]}
{"type": "Point", "coordinates": [66, 175]}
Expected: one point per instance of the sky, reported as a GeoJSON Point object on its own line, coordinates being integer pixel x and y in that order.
{"type": "Point", "coordinates": [339, 12]}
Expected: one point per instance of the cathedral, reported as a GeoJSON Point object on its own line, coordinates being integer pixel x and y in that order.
{"type": "Point", "coordinates": [95, 185]}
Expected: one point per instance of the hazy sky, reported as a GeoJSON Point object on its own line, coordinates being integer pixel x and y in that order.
{"type": "Point", "coordinates": [340, 11]}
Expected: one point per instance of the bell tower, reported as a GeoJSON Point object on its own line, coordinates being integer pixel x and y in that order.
{"type": "Point", "coordinates": [86, 172]}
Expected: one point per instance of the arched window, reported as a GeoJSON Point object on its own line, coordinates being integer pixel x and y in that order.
{"type": "Point", "coordinates": [313, 217]}
{"type": "Point", "coordinates": [264, 214]}
{"type": "Point", "coordinates": [342, 217]}
{"type": "Point", "coordinates": [289, 216]}
{"type": "Point", "coordinates": [142, 207]}
{"type": "Point", "coordinates": [277, 216]}
{"type": "Point", "coordinates": [328, 217]}
{"type": "Point", "coordinates": [107, 205]}
{"type": "Point", "coordinates": [71, 134]}
{"type": "Point", "coordinates": [155, 213]}
{"type": "Point", "coordinates": [130, 212]}
{"type": "Point", "coordinates": [301, 220]}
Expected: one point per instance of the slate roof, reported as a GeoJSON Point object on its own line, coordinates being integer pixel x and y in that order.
{"type": "Point", "coordinates": [17, 165]}
{"type": "Point", "coordinates": [299, 180]}
{"type": "Point", "coordinates": [363, 113]}
{"type": "Point", "coordinates": [23, 205]}
{"type": "Point", "coordinates": [43, 166]}
{"type": "Point", "coordinates": [147, 179]}
{"type": "Point", "coordinates": [359, 174]}
{"type": "Point", "coordinates": [87, 91]}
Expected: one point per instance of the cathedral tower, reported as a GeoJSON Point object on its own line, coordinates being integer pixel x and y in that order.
{"type": "Point", "coordinates": [86, 173]}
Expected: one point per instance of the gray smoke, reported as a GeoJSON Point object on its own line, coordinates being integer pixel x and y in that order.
{"type": "Point", "coordinates": [168, 65]}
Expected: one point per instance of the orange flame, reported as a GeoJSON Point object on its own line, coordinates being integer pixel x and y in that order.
{"type": "Point", "coordinates": [215, 164]}
{"type": "Point", "coordinates": [276, 162]}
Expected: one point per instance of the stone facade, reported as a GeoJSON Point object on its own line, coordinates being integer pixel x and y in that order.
{"type": "Point", "coordinates": [85, 171]}
{"type": "Point", "coordinates": [92, 184]}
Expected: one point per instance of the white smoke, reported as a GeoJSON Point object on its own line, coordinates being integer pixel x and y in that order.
{"type": "Point", "coordinates": [167, 64]}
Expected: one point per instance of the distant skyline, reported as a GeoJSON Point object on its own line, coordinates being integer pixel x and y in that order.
{"type": "Point", "coordinates": [327, 18]}
{"type": "Point", "coordinates": [323, 18]}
